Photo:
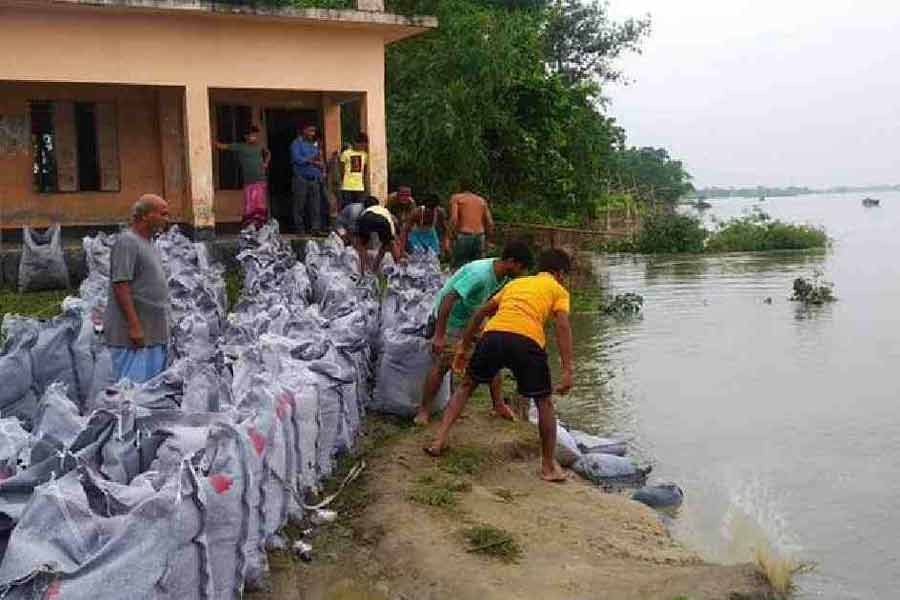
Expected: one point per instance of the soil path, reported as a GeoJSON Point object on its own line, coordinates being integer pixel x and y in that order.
{"type": "Point", "coordinates": [400, 534]}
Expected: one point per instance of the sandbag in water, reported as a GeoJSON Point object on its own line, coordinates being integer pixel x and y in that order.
{"type": "Point", "coordinates": [567, 451]}
{"type": "Point", "coordinates": [663, 495]}
{"type": "Point", "coordinates": [592, 444]}
{"type": "Point", "coordinates": [606, 468]}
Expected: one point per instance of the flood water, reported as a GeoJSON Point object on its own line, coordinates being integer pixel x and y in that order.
{"type": "Point", "coordinates": [781, 424]}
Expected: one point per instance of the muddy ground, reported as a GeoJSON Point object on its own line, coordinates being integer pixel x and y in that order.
{"type": "Point", "coordinates": [401, 533]}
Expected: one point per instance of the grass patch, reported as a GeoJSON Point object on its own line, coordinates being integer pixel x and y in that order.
{"type": "Point", "coordinates": [41, 305]}
{"type": "Point", "coordinates": [438, 492]}
{"type": "Point", "coordinates": [494, 542]}
{"type": "Point", "coordinates": [464, 460]}
{"type": "Point", "coordinates": [234, 285]}
{"type": "Point", "coordinates": [780, 571]}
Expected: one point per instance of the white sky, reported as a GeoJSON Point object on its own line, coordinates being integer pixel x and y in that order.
{"type": "Point", "coordinates": [768, 92]}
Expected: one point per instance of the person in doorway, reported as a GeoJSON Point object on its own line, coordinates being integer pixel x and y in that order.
{"type": "Point", "coordinates": [471, 222]}
{"type": "Point", "coordinates": [309, 168]}
{"type": "Point", "coordinates": [355, 170]}
{"type": "Point", "coordinates": [136, 321]}
{"type": "Point", "coordinates": [466, 291]}
{"type": "Point", "coordinates": [427, 227]}
{"type": "Point", "coordinates": [514, 339]}
{"type": "Point", "coordinates": [254, 159]}
{"type": "Point", "coordinates": [376, 220]}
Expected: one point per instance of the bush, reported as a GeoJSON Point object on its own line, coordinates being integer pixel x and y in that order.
{"type": "Point", "coordinates": [758, 232]}
{"type": "Point", "coordinates": [665, 232]}
{"type": "Point", "coordinates": [814, 290]}
{"type": "Point", "coordinates": [623, 305]}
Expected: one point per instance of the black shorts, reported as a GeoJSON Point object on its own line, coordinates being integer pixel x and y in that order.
{"type": "Point", "coordinates": [520, 354]}
{"type": "Point", "coordinates": [370, 223]}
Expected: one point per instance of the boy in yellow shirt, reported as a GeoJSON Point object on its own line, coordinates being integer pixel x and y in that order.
{"type": "Point", "coordinates": [355, 171]}
{"type": "Point", "coordinates": [514, 339]}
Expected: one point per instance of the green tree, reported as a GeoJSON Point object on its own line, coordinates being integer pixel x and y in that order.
{"type": "Point", "coordinates": [581, 42]}
{"type": "Point", "coordinates": [652, 174]}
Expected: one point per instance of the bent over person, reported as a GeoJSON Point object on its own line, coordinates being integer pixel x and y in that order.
{"type": "Point", "coordinates": [464, 293]}
{"type": "Point", "coordinates": [376, 220]}
{"type": "Point", "coordinates": [514, 339]}
{"type": "Point", "coordinates": [136, 322]}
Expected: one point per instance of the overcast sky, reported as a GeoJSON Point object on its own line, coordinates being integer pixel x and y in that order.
{"type": "Point", "coordinates": [769, 92]}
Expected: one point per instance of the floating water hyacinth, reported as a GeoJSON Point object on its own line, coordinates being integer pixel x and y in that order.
{"type": "Point", "coordinates": [814, 290]}
{"type": "Point", "coordinates": [624, 305]}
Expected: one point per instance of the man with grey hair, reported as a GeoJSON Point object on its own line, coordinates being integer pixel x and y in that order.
{"type": "Point", "coordinates": [136, 323]}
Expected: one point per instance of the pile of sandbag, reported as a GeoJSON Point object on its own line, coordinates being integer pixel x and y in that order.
{"type": "Point", "coordinates": [176, 487]}
{"type": "Point", "coordinates": [404, 352]}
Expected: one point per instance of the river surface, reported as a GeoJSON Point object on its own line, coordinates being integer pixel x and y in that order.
{"type": "Point", "coordinates": [781, 424]}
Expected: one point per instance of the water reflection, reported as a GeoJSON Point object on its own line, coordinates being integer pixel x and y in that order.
{"type": "Point", "coordinates": [778, 420]}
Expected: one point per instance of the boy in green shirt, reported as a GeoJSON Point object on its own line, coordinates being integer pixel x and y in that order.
{"type": "Point", "coordinates": [470, 287]}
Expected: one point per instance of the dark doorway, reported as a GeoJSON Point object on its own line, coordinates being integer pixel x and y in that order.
{"type": "Point", "coordinates": [281, 130]}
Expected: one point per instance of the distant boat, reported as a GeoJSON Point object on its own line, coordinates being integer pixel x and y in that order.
{"type": "Point", "coordinates": [871, 202]}
{"type": "Point", "coordinates": [762, 198]}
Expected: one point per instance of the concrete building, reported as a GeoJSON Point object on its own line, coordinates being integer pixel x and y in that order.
{"type": "Point", "coordinates": [103, 100]}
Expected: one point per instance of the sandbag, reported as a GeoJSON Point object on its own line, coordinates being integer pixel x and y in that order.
{"type": "Point", "coordinates": [663, 495]}
{"type": "Point", "coordinates": [57, 419]}
{"type": "Point", "coordinates": [591, 444]}
{"type": "Point", "coordinates": [400, 376]}
{"type": "Point", "coordinates": [84, 537]}
{"type": "Point", "coordinates": [567, 451]}
{"type": "Point", "coordinates": [17, 397]}
{"type": "Point", "coordinates": [608, 468]}
{"type": "Point", "coordinates": [52, 355]}
{"type": "Point", "coordinates": [42, 266]}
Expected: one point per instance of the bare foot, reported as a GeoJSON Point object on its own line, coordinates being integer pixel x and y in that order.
{"type": "Point", "coordinates": [503, 411]}
{"type": "Point", "coordinates": [554, 474]}
{"type": "Point", "coordinates": [422, 418]}
{"type": "Point", "coordinates": [432, 451]}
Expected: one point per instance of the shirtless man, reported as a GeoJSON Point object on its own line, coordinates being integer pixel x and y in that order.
{"type": "Point", "coordinates": [471, 221]}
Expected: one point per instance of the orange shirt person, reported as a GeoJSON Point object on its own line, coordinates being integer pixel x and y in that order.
{"type": "Point", "coordinates": [514, 339]}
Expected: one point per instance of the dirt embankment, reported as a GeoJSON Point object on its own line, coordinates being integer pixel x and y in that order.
{"type": "Point", "coordinates": [479, 524]}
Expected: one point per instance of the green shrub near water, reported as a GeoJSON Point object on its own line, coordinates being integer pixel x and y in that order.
{"type": "Point", "coordinates": [676, 233]}
{"type": "Point", "coordinates": [758, 232]}
{"type": "Point", "coordinates": [664, 233]}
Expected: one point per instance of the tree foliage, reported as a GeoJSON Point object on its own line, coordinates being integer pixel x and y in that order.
{"type": "Point", "coordinates": [652, 174]}
{"type": "Point", "coordinates": [581, 42]}
{"type": "Point", "coordinates": [504, 99]}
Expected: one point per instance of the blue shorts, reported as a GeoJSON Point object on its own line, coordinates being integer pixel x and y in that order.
{"type": "Point", "coordinates": [138, 364]}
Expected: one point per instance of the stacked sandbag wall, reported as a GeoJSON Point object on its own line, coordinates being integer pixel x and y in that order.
{"type": "Point", "coordinates": [176, 487]}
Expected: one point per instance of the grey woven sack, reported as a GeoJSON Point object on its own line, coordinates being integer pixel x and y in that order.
{"type": "Point", "coordinates": [42, 266]}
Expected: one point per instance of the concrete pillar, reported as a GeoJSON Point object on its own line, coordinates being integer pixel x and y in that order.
{"type": "Point", "coordinates": [373, 123]}
{"type": "Point", "coordinates": [170, 107]}
{"type": "Point", "coordinates": [331, 121]}
{"type": "Point", "coordinates": [201, 191]}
